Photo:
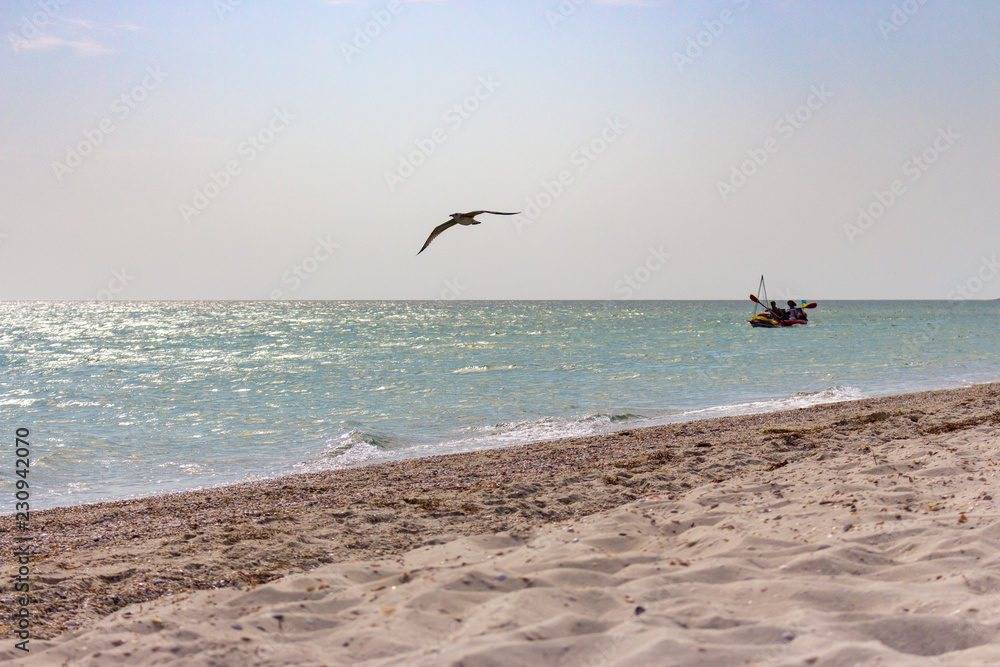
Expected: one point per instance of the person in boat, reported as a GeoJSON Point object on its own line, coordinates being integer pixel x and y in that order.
{"type": "Point", "coordinates": [777, 313]}
{"type": "Point", "coordinates": [794, 312]}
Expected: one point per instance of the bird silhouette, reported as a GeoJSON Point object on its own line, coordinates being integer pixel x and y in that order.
{"type": "Point", "coordinates": [459, 219]}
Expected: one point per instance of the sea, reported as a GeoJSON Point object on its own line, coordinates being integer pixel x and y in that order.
{"type": "Point", "coordinates": [129, 399]}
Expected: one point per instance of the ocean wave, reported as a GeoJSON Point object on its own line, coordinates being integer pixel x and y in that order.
{"type": "Point", "coordinates": [19, 402]}
{"type": "Point", "coordinates": [628, 416]}
{"type": "Point", "coordinates": [359, 447]}
{"type": "Point", "coordinates": [350, 449]}
{"type": "Point", "coordinates": [540, 429]}
{"type": "Point", "coordinates": [484, 369]}
{"type": "Point", "coordinates": [802, 399]}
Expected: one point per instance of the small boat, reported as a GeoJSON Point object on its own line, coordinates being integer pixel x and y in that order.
{"type": "Point", "coordinates": [766, 319]}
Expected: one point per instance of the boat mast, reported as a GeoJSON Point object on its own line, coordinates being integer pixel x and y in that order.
{"type": "Point", "coordinates": [761, 289]}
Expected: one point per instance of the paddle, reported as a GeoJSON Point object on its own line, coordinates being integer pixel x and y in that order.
{"type": "Point", "coordinates": [758, 302]}
{"type": "Point", "coordinates": [761, 303]}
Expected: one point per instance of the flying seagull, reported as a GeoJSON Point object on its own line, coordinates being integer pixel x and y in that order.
{"type": "Point", "coordinates": [459, 219]}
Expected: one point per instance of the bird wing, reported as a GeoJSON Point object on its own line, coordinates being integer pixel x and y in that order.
{"type": "Point", "coordinates": [437, 232]}
{"type": "Point", "coordinates": [475, 213]}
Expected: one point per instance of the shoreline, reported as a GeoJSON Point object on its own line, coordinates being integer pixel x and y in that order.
{"type": "Point", "coordinates": [686, 415]}
{"type": "Point", "coordinates": [91, 561]}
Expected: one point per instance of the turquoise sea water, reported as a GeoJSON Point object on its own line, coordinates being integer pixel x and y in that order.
{"type": "Point", "coordinates": [129, 399]}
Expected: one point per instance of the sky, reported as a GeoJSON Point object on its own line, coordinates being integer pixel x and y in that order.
{"type": "Point", "coordinates": [242, 149]}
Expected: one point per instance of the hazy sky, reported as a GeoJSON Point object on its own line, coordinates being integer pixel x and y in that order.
{"type": "Point", "coordinates": [243, 149]}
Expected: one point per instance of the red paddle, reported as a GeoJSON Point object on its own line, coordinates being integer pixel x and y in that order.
{"type": "Point", "coordinates": [759, 302]}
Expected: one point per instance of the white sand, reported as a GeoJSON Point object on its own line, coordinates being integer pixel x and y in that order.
{"type": "Point", "coordinates": [843, 558]}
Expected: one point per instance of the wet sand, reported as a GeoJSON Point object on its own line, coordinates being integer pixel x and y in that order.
{"type": "Point", "coordinates": [863, 532]}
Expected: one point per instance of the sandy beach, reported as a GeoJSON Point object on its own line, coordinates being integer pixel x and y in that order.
{"type": "Point", "coordinates": [856, 533]}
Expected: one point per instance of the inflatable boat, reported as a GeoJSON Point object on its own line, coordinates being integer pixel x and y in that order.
{"type": "Point", "coordinates": [762, 320]}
